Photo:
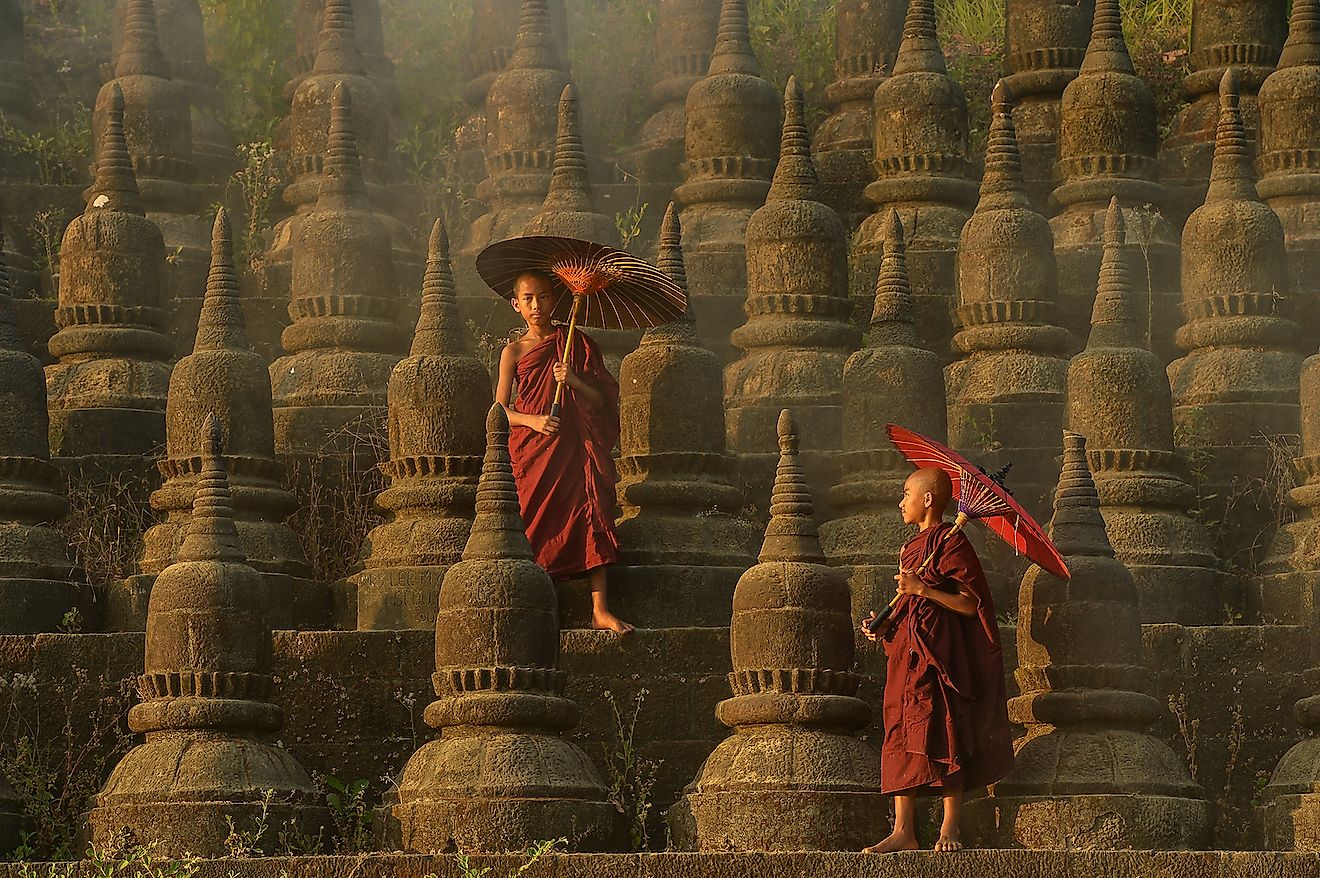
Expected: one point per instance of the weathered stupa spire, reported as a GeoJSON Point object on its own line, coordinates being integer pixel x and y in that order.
{"type": "Point", "coordinates": [1118, 394]}
{"type": "Point", "coordinates": [159, 135]}
{"type": "Point", "coordinates": [1083, 690]}
{"type": "Point", "coordinates": [206, 708]}
{"type": "Point", "coordinates": [114, 185]}
{"type": "Point", "coordinates": [797, 335]}
{"type": "Point", "coordinates": [438, 399]}
{"type": "Point", "coordinates": [1237, 384]}
{"type": "Point", "coordinates": [921, 169]}
{"type": "Point", "coordinates": [731, 145]}
{"type": "Point", "coordinates": [683, 540]}
{"type": "Point", "coordinates": [1107, 148]}
{"type": "Point", "coordinates": [500, 702]}
{"type": "Point", "coordinates": [890, 380]}
{"type": "Point", "coordinates": [795, 709]}
{"type": "Point", "coordinates": [1011, 373]}
{"type": "Point", "coordinates": [223, 378]}
{"type": "Point", "coordinates": [106, 390]}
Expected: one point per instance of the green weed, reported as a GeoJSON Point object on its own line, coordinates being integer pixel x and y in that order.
{"type": "Point", "coordinates": [631, 776]}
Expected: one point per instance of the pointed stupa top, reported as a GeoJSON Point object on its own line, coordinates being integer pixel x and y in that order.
{"type": "Point", "coordinates": [139, 53]}
{"type": "Point", "coordinates": [438, 333]}
{"type": "Point", "coordinates": [9, 339]}
{"type": "Point", "coordinates": [1107, 50]}
{"type": "Point", "coordinates": [1077, 528]}
{"type": "Point", "coordinates": [212, 535]}
{"type": "Point", "coordinates": [1303, 44]}
{"type": "Point", "coordinates": [791, 534]}
{"type": "Point", "coordinates": [1114, 319]}
{"type": "Point", "coordinates": [920, 50]}
{"type": "Point", "coordinates": [795, 176]}
{"type": "Point", "coordinates": [337, 46]}
{"type": "Point", "coordinates": [669, 256]}
{"type": "Point", "coordinates": [891, 315]}
{"type": "Point", "coordinates": [669, 259]}
{"type": "Point", "coordinates": [115, 186]}
{"type": "Point", "coordinates": [341, 181]}
{"type": "Point", "coordinates": [497, 531]}
{"type": "Point", "coordinates": [733, 42]}
{"type": "Point", "coordinates": [1001, 186]}
{"type": "Point", "coordinates": [570, 189]}
{"type": "Point", "coordinates": [1232, 177]}
{"type": "Point", "coordinates": [534, 47]}
{"type": "Point", "coordinates": [221, 324]}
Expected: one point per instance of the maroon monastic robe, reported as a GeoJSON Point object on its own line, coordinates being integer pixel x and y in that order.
{"type": "Point", "coordinates": [566, 481]}
{"type": "Point", "coordinates": [945, 713]}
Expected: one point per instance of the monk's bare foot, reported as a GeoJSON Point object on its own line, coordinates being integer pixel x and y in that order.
{"type": "Point", "coordinates": [892, 844]}
{"type": "Point", "coordinates": [604, 620]}
{"type": "Point", "coordinates": [948, 843]}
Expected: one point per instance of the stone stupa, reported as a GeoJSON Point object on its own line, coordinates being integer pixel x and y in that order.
{"type": "Point", "coordinates": [206, 707]}
{"type": "Point", "coordinates": [793, 776]}
{"type": "Point", "coordinates": [499, 776]}
{"type": "Point", "coordinates": [438, 399]}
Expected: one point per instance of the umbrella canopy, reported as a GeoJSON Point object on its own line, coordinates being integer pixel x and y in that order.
{"type": "Point", "coordinates": [982, 496]}
{"type": "Point", "coordinates": [619, 290]}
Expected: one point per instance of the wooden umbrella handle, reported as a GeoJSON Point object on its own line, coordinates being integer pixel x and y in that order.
{"type": "Point", "coordinates": [568, 348]}
{"type": "Point", "coordinates": [873, 625]}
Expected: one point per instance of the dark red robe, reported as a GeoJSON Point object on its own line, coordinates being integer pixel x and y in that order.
{"type": "Point", "coordinates": [945, 712]}
{"type": "Point", "coordinates": [566, 481]}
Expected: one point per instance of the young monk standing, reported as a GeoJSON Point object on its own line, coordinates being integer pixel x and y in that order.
{"type": "Point", "coordinates": [945, 713]}
{"type": "Point", "coordinates": [562, 465]}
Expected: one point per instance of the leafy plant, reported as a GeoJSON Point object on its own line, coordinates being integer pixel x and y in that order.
{"type": "Point", "coordinates": [249, 42]}
{"type": "Point", "coordinates": [260, 179]}
{"type": "Point", "coordinates": [60, 151]}
{"type": "Point", "coordinates": [55, 768]}
{"type": "Point", "coordinates": [117, 860]}
{"type": "Point", "coordinates": [631, 776]}
{"type": "Point", "coordinates": [354, 819]}
{"type": "Point", "coordinates": [629, 223]}
{"type": "Point", "coordinates": [533, 854]}
{"type": "Point", "coordinates": [247, 842]}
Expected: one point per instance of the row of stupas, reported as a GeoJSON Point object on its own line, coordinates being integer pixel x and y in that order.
{"type": "Point", "coordinates": [991, 323]}
{"type": "Point", "coordinates": [335, 391]}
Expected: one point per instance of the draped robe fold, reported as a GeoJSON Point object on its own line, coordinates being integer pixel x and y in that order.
{"type": "Point", "coordinates": [945, 713]}
{"type": "Point", "coordinates": [566, 481]}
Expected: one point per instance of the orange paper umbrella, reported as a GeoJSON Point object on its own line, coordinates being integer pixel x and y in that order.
{"type": "Point", "coordinates": [608, 288]}
{"type": "Point", "coordinates": [981, 496]}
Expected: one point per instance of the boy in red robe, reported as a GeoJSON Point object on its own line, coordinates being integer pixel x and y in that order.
{"type": "Point", "coordinates": [562, 465]}
{"type": "Point", "coordinates": [945, 712]}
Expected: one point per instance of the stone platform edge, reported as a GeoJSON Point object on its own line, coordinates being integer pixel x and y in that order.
{"type": "Point", "coordinates": [917, 864]}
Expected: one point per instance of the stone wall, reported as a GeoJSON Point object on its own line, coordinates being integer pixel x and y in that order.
{"type": "Point", "coordinates": [354, 703]}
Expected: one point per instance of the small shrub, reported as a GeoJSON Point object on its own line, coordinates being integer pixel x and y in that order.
{"type": "Point", "coordinates": [631, 777]}
{"type": "Point", "coordinates": [353, 817]}
{"type": "Point", "coordinates": [57, 746]}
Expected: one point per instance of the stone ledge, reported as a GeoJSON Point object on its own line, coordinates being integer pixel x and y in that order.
{"type": "Point", "coordinates": [920, 864]}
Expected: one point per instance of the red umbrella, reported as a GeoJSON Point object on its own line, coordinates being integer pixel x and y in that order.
{"type": "Point", "coordinates": [980, 495]}
{"type": "Point", "coordinates": [611, 288]}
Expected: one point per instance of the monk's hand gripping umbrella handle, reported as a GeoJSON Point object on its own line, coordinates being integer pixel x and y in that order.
{"type": "Point", "coordinates": [568, 350]}
{"type": "Point", "coordinates": [874, 625]}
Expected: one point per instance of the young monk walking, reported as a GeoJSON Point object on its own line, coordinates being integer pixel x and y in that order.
{"type": "Point", "coordinates": [562, 465]}
{"type": "Point", "coordinates": [945, 713]}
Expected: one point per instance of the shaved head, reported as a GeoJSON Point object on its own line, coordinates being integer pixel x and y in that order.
{"type": "Point", "coordinates": [934, 481]}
